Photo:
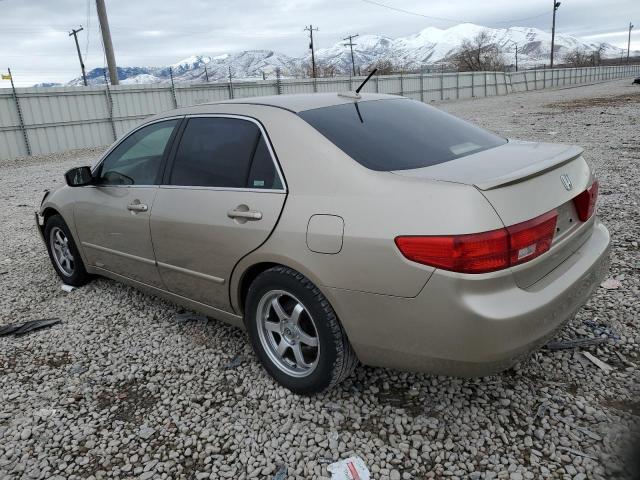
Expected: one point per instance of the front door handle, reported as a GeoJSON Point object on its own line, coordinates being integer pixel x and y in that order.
{"type": "Point", "coordinates": [244, 214]}
{"type": "Point", "coordinates": [137, 207]}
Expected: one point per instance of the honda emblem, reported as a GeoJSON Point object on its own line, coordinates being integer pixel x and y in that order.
{"type": "Point", "coordinates": [566, 181]}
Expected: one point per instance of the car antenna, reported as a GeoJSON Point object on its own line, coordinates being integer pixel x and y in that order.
{"type": "Point", "coordinates": [356, 94]}
{"type": "Point", "coordinates": [366, 80]}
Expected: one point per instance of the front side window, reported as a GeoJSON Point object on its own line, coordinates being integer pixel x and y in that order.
{"type": "Point", "coordinates": [225, 153]}
{"type": "Point", "coordinates": [136, 160]}
{"type": "Point", "coordinates": [398, 134]}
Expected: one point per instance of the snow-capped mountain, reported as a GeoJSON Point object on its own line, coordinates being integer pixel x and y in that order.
{"type": "Point", "coordinates": [433, 45]}
{"type": "Point", "coordinates": [414, 52]}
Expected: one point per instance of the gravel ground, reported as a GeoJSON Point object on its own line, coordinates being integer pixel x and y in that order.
{"type": "Point", "coordinates": [120, 389]}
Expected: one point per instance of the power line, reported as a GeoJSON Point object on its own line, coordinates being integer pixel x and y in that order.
{"type": "Point", "coordinates": [310, 29]}
{"type": "Point", "coordinates": [444, 19]}
{"type": "Point", "coordinates": [629, 42]}
{"type": "Point", "coordinates": [409, 12]}
{"type": "Point", "coordinates": [75, 37]}
{"type": "Point", "coordinates": [351, 44]}
{"type": "Point", "coordinates": [88, 24]}
{"type": "Point", "coordinates": [556, 5]}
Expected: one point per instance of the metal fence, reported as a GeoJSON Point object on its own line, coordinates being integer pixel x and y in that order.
{"type": "Point", "coordinates": [45, 120]}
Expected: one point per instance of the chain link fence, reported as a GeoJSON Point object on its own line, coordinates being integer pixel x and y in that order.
{"type": "Point", "coordinates": [41, 120]}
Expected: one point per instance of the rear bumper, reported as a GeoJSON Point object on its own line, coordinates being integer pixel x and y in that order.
{"type": "Point", "coordinates": [470, 325]}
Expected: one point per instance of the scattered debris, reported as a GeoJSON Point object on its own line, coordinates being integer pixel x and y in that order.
{"type": "Point", "coordinates": [4, 272]}
{"type": "Point", "coordinates": [600, 329]}
{"type": "Point", "coordinates": [576, 342]}
{"type": "Point", "coordinates": [543, 408]}
{"type": "Point", "coordinates": [67, 288]}
{"type": "Point", "coordinates": [552, 133]}
{"type": "Point", "coordinates": [281, 474]}
{"type": "Point", "coordinates": [624, 359]}
{"type": "Point", "coordinates": [353, 468]}
{"type": "Point", "coordinates": [18, 329]}
{"type": "Point", "coordinates": [78, 369]}
{"type": "Point", "coordinates": [597, 362]}
{"type": "Point", "coordinates": [333, 407]}
{"type": "Point", "coordinates": [587, 432]}
{"type": "Point", "coordinates": [611, 284]}
{"type": "Point", "coordinates": [190, 316]}
{"type": "Point", "coordinates": [333, 436]}
{"type": "Point", "coordinates": [46, 412]}
{"type": "Point", "coordinates": [235, 362]}
{"type": "Point", "coordinates": [577, 452]}
{"type": "Point", "coordinates": [146, 432]}
{"type": "Point", "coordinates": [22, 205]}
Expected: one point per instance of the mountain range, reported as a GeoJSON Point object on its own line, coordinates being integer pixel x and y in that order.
{"type": "Point", "coordinates": [420, 51]}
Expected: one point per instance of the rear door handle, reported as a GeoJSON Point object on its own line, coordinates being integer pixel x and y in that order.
{"type": "Point", "coordinates": [137, 207]}
{"type": "Point", "coordinates": [245, 214]}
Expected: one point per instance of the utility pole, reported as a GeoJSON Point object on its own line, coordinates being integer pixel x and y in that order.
{"type": "Point", "coordinates": [106, 40]}
{"type": "Point", "coordinates": [556, 5]}
{"type": "Point", "coordinates": [629, 42]}
{"type": "Point", "coordinates": [310, 29]}
{"type": "Point", "coordinates": [75, 37]}
{"type": "Point", "coordinates": [516, 57]}
{"type": "Point", "coordinates": [351, 44]}
{"type": "Point", "coordinates": [206, 73]}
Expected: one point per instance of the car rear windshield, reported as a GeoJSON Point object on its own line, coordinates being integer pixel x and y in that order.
{"type": "Point", "coordinates": [398, 134]}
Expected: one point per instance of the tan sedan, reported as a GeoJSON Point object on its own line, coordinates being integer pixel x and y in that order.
{"type": "Point", "coordinates": [338, 228]}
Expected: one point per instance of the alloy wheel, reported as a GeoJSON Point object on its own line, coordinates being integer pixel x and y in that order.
{"type": "Point", "coordinates": [288, 333]}
{"type": "Point", "coordinates": [62, 255]}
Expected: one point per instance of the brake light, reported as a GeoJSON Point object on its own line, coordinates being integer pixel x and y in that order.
{"type": "Point", "coordinates": [482, 252]}
{"type": "Point", "coordinates": [586, 202]}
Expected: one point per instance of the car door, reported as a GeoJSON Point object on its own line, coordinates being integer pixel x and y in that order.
{"type": "Point", "coordinates": [221, 198]}
{"type": "Point", "coordinates": [112, 215]}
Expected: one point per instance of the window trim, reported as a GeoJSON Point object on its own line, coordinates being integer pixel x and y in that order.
{"type": "Point", "coordinates": [165, 157]}
{"type": "Point", "coordinates": [176, 143]}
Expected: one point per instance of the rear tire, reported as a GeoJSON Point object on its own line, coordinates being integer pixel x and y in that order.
{"type": "Point", "coordinates": [295, 332]}
{"type": "Point", "coordinates": [63, 252]}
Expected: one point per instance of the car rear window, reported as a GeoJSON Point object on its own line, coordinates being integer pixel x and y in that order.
{"type": "Point", "coordinates": [398, 134]}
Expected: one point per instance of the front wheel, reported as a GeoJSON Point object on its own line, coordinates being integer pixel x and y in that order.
{"type": "Point", "coordinates": [63, 252]}
{"type": "Point", "coordinates": [295, 332]}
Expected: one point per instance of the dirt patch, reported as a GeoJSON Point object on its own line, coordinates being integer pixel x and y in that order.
{"type": "Point", "coordinates": [611, 101]}
{"type": "Point", "coordinates": [131, 402]}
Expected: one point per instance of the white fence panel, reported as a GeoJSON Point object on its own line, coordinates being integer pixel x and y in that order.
{"type": "Point", "coordinates": [64, 118]}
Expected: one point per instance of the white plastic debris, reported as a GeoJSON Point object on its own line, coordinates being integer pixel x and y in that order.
{"type": "Point", "coordinates": [611, 284]}
{"type": "Point", "coordinates": [146, 432]}
{"type": "Point", "coordinates": [605, 367]}
{"type": "Point", "coordinates": [67, 288]}
{"type": "Point", "coordinates": [353, 468]}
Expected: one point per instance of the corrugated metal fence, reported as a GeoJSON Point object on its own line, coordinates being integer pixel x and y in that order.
{"type": "Point", "coordinates": [64, 118]}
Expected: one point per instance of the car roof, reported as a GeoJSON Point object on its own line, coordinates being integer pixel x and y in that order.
{"type": "Point", "coordinates": [306, 101]}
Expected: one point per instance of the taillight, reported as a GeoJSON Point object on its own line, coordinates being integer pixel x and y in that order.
{"type": "Point", "coordinates": [586, 202]}
{"type": "Point", "coordinates": [482, 252]}
{"type": "Point", "coordinates": [530, 239]}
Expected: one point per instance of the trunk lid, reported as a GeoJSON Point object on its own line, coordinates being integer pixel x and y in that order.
{"type": "Point", "coordinates": [522, 180]}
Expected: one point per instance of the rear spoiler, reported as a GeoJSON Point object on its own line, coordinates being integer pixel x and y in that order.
{"type": "Point", "coordinates": [532, 170]}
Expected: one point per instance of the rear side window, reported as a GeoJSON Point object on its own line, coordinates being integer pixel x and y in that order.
{"type": "Point", "coordinates": [223, 152]}
{"type": "Point", "coordinates": [398, 134]}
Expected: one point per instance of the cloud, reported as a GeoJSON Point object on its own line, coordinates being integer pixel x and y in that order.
{"type": "Point", "coordinates": [34, 37]}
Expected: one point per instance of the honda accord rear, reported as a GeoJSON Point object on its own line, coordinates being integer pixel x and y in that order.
{"type": "Point", "coordinates": [338, 228]}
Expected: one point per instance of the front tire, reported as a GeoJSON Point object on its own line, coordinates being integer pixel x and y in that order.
{"type": "Point", "coordinates": [295, 332]}
{"type": "Point", "coordinates": [63, 252]}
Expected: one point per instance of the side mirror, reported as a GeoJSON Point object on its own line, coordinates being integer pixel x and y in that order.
{"type": "Point", "coordinates": [79, 177]}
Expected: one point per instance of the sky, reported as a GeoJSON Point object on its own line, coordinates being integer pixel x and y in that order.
{"type": "Point", "coordinates": [35, 44]}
